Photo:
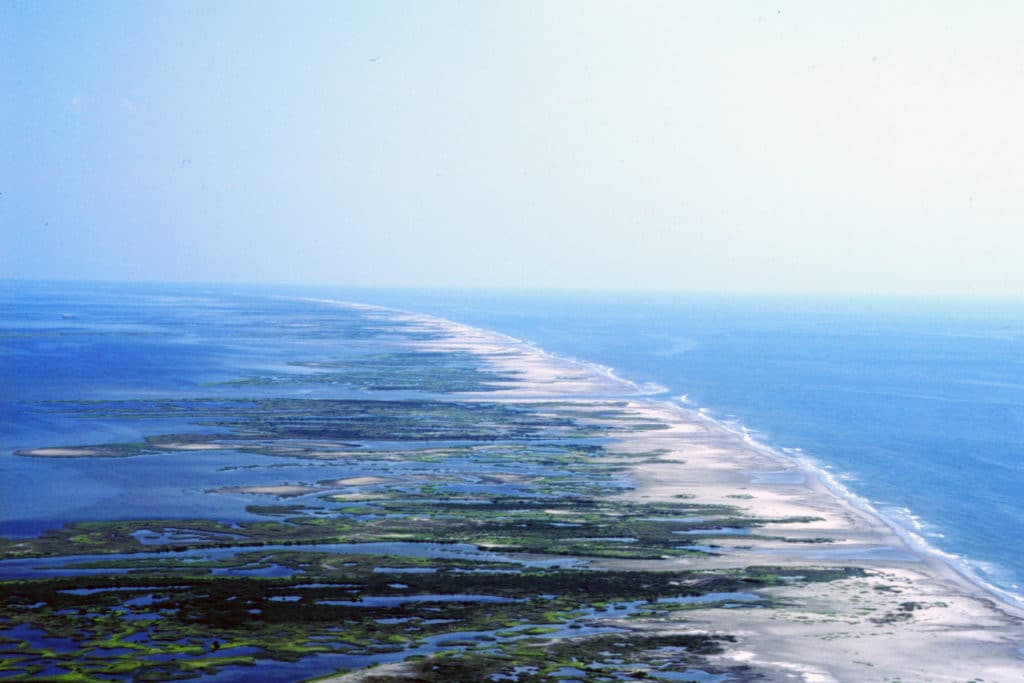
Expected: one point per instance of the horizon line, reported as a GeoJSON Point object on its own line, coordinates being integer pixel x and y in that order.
{"type": "Point", "coordinates": [506, 289]}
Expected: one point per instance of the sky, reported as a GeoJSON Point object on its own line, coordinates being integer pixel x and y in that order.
{"type": "Point", "coordinates": [811, 147]}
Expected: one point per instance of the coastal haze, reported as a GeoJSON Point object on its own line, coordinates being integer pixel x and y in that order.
{"type": "Point", "coordinates": [511, 341]}
{"type": "Point", "coordinates": [798, 146]}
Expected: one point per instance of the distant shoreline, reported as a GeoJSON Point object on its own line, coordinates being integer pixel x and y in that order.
{"type": "Point", "coordinates": [606, 380]}
{"type": "Point", "coordinates": [389, 485]}
{"type": "Point", "coordinates": [730, 460]}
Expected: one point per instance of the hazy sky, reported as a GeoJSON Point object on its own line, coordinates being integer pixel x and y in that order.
{"type": "Point", "coordinates": [751, 146]}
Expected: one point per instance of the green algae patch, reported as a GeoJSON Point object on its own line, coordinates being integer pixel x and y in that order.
{"type": "Point", "coordinates": [163, 626]}
{"type": "Point", "coordinates": [456, 533]}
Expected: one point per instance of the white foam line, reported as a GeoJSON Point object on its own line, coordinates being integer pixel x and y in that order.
{"type": "Point", "coordinates": [914, 541]}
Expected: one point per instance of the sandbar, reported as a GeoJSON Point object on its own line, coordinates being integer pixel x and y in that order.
{"type": "Point", "coordinates": [912, 618]}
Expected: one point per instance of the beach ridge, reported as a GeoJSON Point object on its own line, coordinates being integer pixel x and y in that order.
{"type": "Point", "coordinates": [915, 617]}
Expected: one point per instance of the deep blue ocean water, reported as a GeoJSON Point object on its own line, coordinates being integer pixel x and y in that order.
{"type": "Point", "coordinates": [916, 405]}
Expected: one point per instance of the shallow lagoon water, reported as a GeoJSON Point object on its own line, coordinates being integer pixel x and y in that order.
{"type": "Point", "coordinates": [915, 404]}
{"type": "Point", "coordinates": [46, 493]}
{"type": "Point", "coordinates": [588, 624]}
{"type": "Point", "coordinates": [65, 565]}
{"type": "Point", "coordinates": [194, 354]}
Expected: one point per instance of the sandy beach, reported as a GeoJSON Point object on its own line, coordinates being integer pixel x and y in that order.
{"type": "Point", "coordinates": [911, 618]}
{"type": "Point", "coordinates": [457, 505]}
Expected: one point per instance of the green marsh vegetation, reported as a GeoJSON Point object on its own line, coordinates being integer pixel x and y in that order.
{"type": "Point", "coordinates": [456, 533]}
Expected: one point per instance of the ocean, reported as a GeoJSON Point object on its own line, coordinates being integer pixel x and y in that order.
{"type": "Point", "coordinates": [914, 405]}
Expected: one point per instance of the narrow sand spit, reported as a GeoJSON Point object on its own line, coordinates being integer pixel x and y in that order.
{"type": "Point", "coordinates": [70, 452]}
{"type": "Point", "coordinates": [356, 481]}
{"type": "Point", "coordinates": [385, 672]}
{"type": "Point", "coordinates": [912, 618]}
{"type": "Point", "coordinates": [279, 490]}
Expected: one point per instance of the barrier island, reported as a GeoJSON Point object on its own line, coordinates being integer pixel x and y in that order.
{"type": "Point", "coordinates": [436, 502]}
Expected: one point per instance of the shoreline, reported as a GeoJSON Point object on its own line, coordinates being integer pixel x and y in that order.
{"type": "Point", "coordinates": [558, 519]}
{"type": "Point", "coordinates": [960, 566]}
{"type": "Point", "coordinates": [967, 631]}
{"type": "Point", "coordinates": [968, 627]}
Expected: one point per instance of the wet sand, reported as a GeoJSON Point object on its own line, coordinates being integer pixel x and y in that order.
{"type": "Point", "coordinates": [912, 618]}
